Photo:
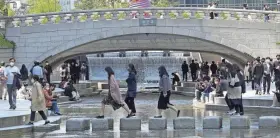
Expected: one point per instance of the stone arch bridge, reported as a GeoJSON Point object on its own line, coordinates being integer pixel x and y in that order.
{"type": "Point", "coordinates": [239, 35]}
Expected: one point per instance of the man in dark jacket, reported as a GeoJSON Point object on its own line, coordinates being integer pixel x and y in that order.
{"type": "Point", "coordinates": [48, 68]}
{"type": "Point", "coordinates": [185, 70]}
{"type": "Point", "coordinates": [213, 68]}
{"type": "Point", "coordinates": [194, 68]}
{"type": "Point", "coordinates": [276, 69]}
{"type": "Point", "coordinates": [205, 68]}
{"type": "Point", "coordinates": [268, 70]}
{"type": "Point", "coordinates": [258, 72]}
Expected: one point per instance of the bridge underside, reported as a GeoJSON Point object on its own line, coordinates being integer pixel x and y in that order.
{"type": "Point", "coordinates": [148, 41]}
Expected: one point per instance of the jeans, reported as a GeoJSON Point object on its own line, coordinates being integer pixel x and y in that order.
{"type": "Point", "coordinates": [12, 92]}
{"type": "Point", "coordinates": [194, 76]}
{"type": "Point", "coordinates": [266, 18]}
{"type": "Point", "coordinates": [32, 116]}
{"type": "Point", "coordinates": [266, 80]}
{"type": "Point", "coordinates": [55, 108]}
{"type": "Point", "coordinates": [229, 104]}
{"type": "Point", "coordinates": [3, 90]}
{"type": "Point", "coordinates": [185, 76]}
{"type": "Point", "coordinates": [130, 103]}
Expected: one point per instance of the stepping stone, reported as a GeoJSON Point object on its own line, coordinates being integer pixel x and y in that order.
{"type": "Point", "coordinates": [240, 122]}
{"type": "Point", "coordinates": [269, 122]}
{"type": "Point", "coordinates": [46, 128]}
{"type": "Point", "coordinates": [130, 124]}
{"type": "Point", "coordinates": [212, 122]}
{"type": "Point", "coordinates": [77, 124]}
{"type": "Point", "coordinates": [157, 123]}
{"type": "Point", "coordinates": [184, 123]}
{"type": "Point", "coordinates": [100, 124]}
{"type": "Point", "coordinates": [110, 122]}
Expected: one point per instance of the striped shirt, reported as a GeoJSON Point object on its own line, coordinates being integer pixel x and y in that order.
{"type": "Point", "coordinates": [140, 4]}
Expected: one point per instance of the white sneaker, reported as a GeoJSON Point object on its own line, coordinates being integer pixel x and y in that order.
{"type": "Point", "coordinates": [231, 112]}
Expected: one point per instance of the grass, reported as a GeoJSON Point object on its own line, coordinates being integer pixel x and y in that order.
{"type": "Point", "coordinates": [4, 43]}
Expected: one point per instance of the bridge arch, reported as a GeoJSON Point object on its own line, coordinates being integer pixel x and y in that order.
{"type": "Point", "coordinates": [177, 39]}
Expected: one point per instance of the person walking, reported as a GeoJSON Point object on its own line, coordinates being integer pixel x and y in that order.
{"type": "Point", "coordinates": [3, 82]}
{"type": "Point", "coordinates": [38, 70]}
{"type": "Point", "coordinates": [268, 70]}
{"type": "Point", "coordinates": [24, 73]}
{"type": "Point", "coordinates": [185, 70]}
{"type": "Point", "coordinates": [213, 68]}
{"type": "Point", "coordinates": [165, 92]}
{"type": "Point", "coordinates": [83, 71]}
{"type": "Point", "coordinates": [276, 69]}
{"type": "Point", "coordinates": [11, 73]}
{"type": "Point", "coordinates": [246, 72]}
{"type": "Point", "coordinates": [114, 97]}
{"type": "Point", "coordinates": [194, 68]}
{"type": "Point", "coordinates": [131, 88]}
{"type": "Point", "coordinates": [258, 72]}
{"type": "Point", "coordinates": [37, 100]}
{"type": "Point", "coordinates": [205, 68]}
{"type": "Point", "coordinates": [175, 79]}
{"type": "Point", "coordinates": [49, 70]}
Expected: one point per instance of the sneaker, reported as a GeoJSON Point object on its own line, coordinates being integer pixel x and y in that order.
{"type": "Point", "coordinates": [14, 108]}
{"type": "Point", "coordinates": [11, 107]}
{"type": "Point", "coordinates": [47, 122]}
{"type": "Point", "coordinates": [100, 116]}
{"type": "Point", "coordinates": [57, 113]}
{"type": "Point", "coordinates": [158, 116]}
{"type": "Point", "coordinates": [30, 123]}
{"type": "Point", "coordinates": [241, 113]}
{"type": "Point", "coordinates": [178, 113]}
{"type": "Point", "coordinates": [231, 112]}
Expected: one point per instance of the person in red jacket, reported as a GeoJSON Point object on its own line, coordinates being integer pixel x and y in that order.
{"type": "Point", "coordinates": [51, 100]}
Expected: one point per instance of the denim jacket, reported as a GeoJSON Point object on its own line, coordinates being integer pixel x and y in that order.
{"type": "Point", "coordinates": [131, 85]}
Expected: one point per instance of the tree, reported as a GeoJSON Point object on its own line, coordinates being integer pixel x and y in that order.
{"type": "Point", "coordinates": [43, 6]}
{"type": "Point", "coordinates": [100, 4]}
{"type": "Point", "coordinates": [163, 3]}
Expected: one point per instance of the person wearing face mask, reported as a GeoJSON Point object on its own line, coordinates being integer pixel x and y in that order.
{"type": "Point", "coordinates": [37, 101]}
{"type": "Point", "coordinates": [10, 74]}
{"type": "Point", "coordinates": [48, 69]}
{"type": "Point", "coordinates": [131, 89]}
{"type": "Point", "coordinates": [268, 70]}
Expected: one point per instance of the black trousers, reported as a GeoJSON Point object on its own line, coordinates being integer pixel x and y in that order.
{"type": "Point", "coordinates": [185, 76]}
{"type": "Point", "coordinates": [229, 104]}
{"type": "Point", "coordinates": [174, 80]}
{"type": "Point", "coordinates": [211, 15]}
{"type": "Point", "coordinates": [130, 103]}
{"type": "Point", "coordinates": [193, 76]}
{"type": "Point", "coordinates": [48, 76]}
{"type": "Point", "coordinates": [32, 116]}
{"type": "Point", "coordinates": [266, 81]}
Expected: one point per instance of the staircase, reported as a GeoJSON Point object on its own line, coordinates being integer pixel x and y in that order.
{"type": "Point", "coordinates": [184, 88]}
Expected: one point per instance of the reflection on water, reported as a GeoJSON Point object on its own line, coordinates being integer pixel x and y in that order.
{"type": "Point", "coordinates": [146, 107]}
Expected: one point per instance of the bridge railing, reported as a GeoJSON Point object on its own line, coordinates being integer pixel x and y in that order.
{"type": "Point", "coordinates": [147, 13]}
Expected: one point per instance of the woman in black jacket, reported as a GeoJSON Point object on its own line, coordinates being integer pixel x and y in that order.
{"type": "Point", "coordinates": [24, 73]}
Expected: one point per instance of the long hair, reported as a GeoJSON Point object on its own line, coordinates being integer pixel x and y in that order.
{"type": "Point", "coordinates": [162, 71]}
{"type": "Point", "coordinates": [109, 71]}
{"type": "Point", "coordinates": [23, 69]}
{"type": "Point", "coordinates": [132, 68]}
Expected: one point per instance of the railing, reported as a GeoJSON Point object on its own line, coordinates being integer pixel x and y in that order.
{"type": "Point", "coordinates": [127, 14]}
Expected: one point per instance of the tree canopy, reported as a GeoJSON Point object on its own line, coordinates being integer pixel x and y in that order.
{"type": "Point", "coordinates": [163, 3]}
{"type": "Point", "coordinates": [100, 4]}
{"type": "Point", "coordinates": [43, 6]}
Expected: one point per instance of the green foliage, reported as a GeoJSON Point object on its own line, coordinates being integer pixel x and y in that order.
{"type": "Point", "coordinates": [4, 43]}
{"type": "Point", "coordinates": [236, 16]}
{"type": "Point", "coordinates": [108, 16]}
{"type": "Point", "coordinates": [172, 15]}
{"type": "Point", "coordinates": [186, 15]}
{"type": "Point", "coordinates": [43, 6]}
{"type": "Point", "coordinates": [198, 15]}
{"type": "Point", "coordinates": [95, 16]}
{"type": "Point", "coordinates": [224, 16]}
{"type": "Point", "coordinates": [44, 21]}
{"type": "Point", "coordinates": [158, 14]}
{"type": "Point", "coordinates": [277, 43]}
{"type": "Point", "coordinates": [121, 15]}
{"type": "Point", "coordinates": [83, 18]}
{"type": "Point", "coordinates": [100, 4]}
{"type": "Point", "coordinates": [57, 19]}
{"type": "Point", "coordinates": [164, 3]}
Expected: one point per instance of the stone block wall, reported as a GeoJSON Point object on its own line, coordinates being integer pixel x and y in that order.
{"type": "Point", "coordinates": [6, 54]}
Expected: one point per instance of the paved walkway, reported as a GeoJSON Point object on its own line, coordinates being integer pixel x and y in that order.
{"type": "Point", "coordinates": [23, 108]}
{"type": "Point", "coordinates": [251, 94]}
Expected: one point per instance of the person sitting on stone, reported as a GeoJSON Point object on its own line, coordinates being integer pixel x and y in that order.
{"type": "Point", "coordinates": [208, 89]}
{"type": "Point", "coordinates": [175, 78]}
{"type": "Point", "coordinates": [71, 91]}
{"type": "Point", "coordinates": [24, 92]}
{"type": "Point", "coordinates": [51, 100]}
{"type": "Point", "coordinates": [200, 87]}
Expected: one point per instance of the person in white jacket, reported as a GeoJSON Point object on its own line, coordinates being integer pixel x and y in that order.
{"type": "Point", "coordinates": [246, 72]}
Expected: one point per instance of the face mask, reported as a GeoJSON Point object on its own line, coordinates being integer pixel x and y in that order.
{"type": "Point", "coordinates": [32, 81]}
{"type": "Point", "coordinates": [12, 63]}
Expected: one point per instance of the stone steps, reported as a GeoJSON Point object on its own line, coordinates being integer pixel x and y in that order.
{"type": "Point", "coordinates": [186, 84]}
{"type": "Point", "coordinates": [134, 123]}
{"type": "Point", "coordinates": [186, 89]}
{"type": "Point", "coordinates": [189, 94]}
{"type": "Point", "coordinates": [37, 127]}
